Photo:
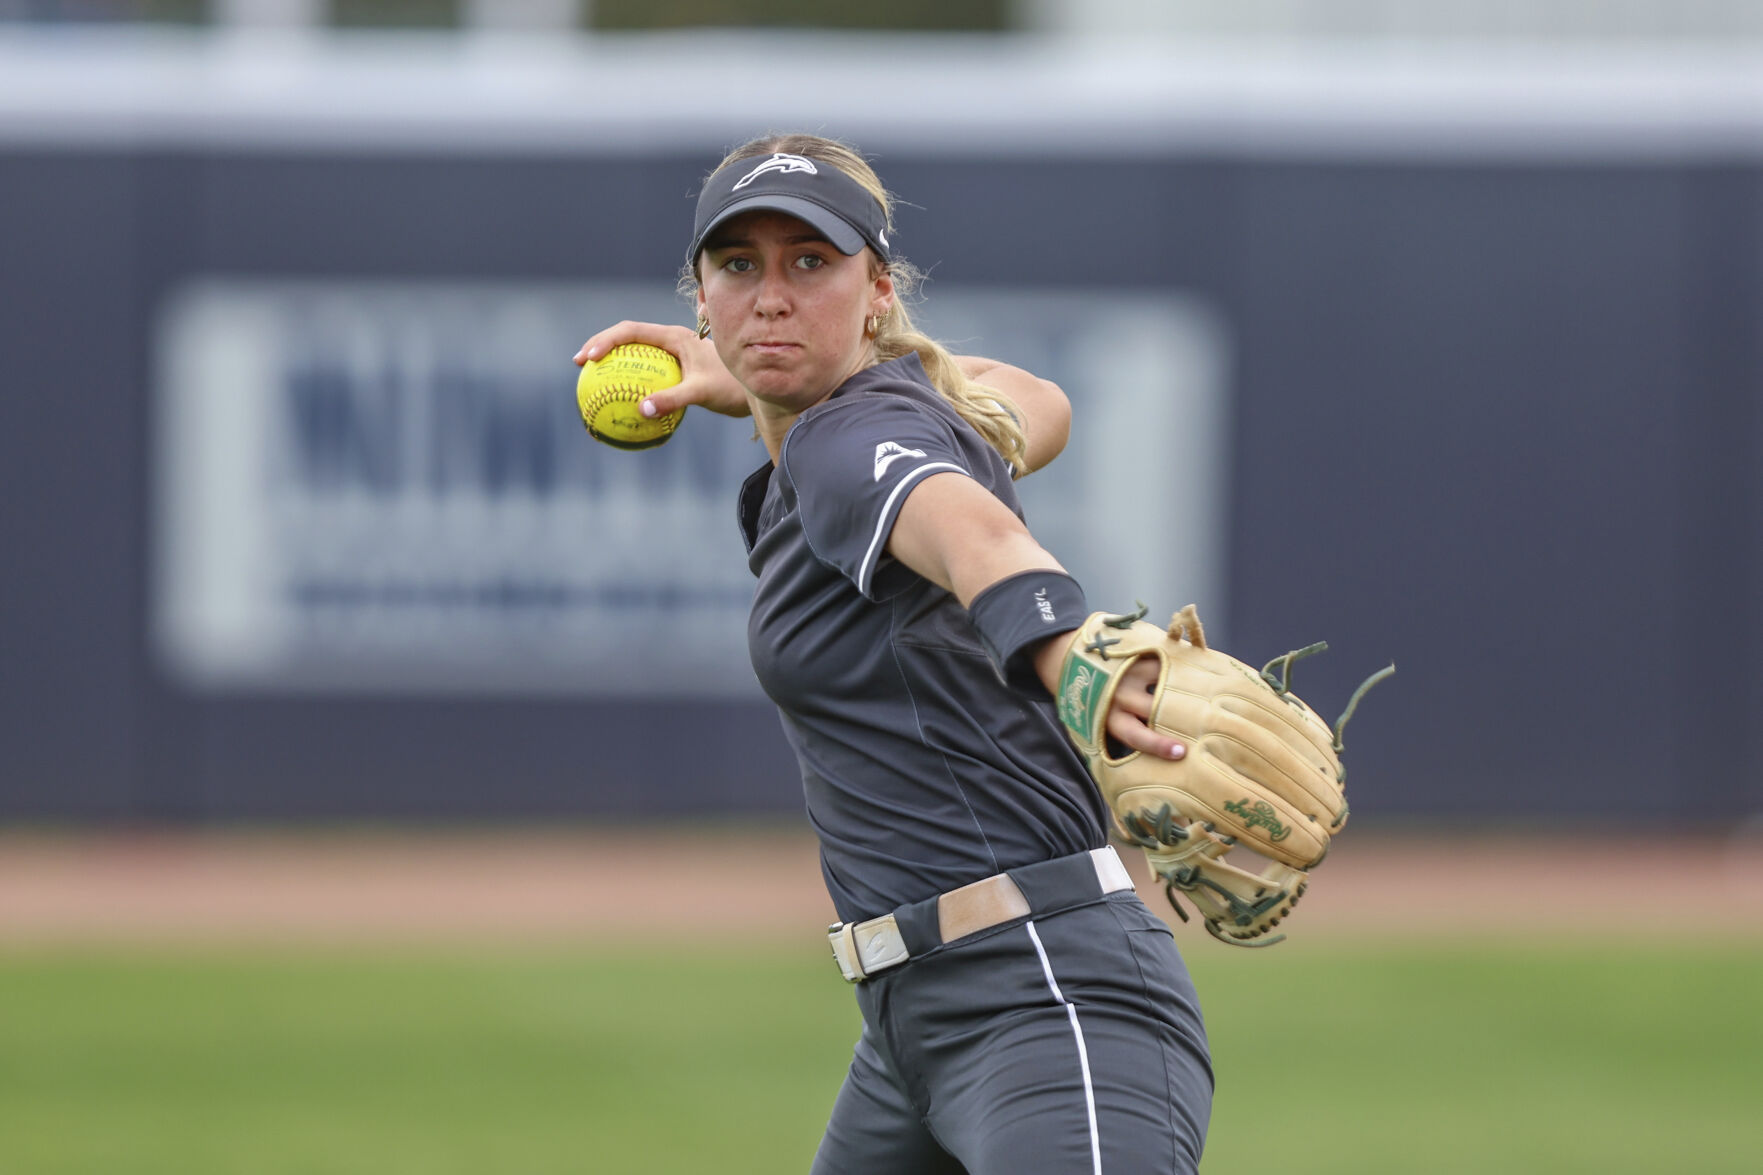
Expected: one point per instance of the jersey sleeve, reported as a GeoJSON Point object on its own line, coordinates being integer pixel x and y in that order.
{"type": "Point", "coordinates": [851, 469]}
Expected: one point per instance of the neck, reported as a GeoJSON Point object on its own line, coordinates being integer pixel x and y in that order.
{"type": "Point", "coordinates": [773, 421]}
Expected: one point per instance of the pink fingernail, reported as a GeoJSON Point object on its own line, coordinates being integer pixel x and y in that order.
{"type": "Point", "coordinates": [648, 408]}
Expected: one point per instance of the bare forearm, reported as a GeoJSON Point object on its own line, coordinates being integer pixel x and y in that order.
{"type": "Point", "coordinates": [952, 531]}
{"type": "Point", "coordinates": [1049, 660]}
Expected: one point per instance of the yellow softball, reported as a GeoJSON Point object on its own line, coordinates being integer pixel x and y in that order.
{"type": "Point", "coordinates": [610, 394]}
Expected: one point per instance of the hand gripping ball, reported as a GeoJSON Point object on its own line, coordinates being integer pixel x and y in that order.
{"type": "Point", "coordinates": [610, 394]}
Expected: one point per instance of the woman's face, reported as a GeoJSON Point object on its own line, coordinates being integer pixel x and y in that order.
{"type": "Point", "coordinates": [786, 308]}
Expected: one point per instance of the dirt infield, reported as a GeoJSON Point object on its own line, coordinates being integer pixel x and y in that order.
{"type": "Point", "coordinates": [636, 885]}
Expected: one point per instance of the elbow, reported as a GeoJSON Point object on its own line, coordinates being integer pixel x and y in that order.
{"type": "Point", "coordinates": [1053, 426]}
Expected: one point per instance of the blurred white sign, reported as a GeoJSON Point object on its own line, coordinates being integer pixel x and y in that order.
{"type": "Point", "coordinates": [371, 486]}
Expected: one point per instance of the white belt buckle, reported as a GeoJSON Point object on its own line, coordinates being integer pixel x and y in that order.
{"type": "Point", "coordinates": [1110, 873]}
{"type": "Point", "coordinates": [843, 937]}
{"type": "Point", "coordinates": [863, 948]}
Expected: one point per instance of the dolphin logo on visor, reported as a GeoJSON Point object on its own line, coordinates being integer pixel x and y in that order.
{"type": "Point", "coordinates": [779, 162]}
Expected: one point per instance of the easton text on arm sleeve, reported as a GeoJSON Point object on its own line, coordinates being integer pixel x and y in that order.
{"type": "Point", "coordinates": [1018, 612]}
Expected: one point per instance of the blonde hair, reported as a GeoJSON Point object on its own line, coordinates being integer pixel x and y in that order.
{"type": "Point", "coordinates": [990, 412]}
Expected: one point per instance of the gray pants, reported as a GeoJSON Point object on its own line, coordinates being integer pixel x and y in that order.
{"type": "Point", "coordinates": [1067, 1042]}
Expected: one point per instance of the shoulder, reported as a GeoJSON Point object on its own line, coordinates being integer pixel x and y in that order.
{"type": "Point", "coordinates": [875, 408]}
{"type": "Point", "coordinates": [899, 385]}
{"type": "Point", "coordinates": [867, 428]}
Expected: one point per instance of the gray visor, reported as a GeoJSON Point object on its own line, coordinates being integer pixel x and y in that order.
{"type": "Point", "coordinates": [814, 191]}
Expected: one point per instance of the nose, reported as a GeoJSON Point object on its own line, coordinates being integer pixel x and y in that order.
{"type": "Point", "coordinates": [773, 298]}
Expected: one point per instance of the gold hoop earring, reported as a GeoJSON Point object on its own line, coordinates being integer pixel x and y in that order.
{"type": "Point", "coordinates": [872, 326]}
{"type": "Point", "coordinates": [703, 327]}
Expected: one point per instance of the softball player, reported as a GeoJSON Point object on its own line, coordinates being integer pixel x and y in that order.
{"type": "Point", "coordinates": [1022, 1010]}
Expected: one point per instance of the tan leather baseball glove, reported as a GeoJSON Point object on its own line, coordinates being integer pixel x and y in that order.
{"type": "Point", "coordinates": [1262, 771]}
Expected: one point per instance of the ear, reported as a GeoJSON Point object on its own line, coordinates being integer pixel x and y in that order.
{"type": "Point", "coordinates": [699, 297]}
{"type": "Point", "coordinates": [883, 299]}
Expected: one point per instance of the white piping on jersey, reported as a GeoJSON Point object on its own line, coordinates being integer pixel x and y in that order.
{"type": "Point", "coordinates": [1083, 1054]}
{"type": "Point", "coordinates": [867, 567]}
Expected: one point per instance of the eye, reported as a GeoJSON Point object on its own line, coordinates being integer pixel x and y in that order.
{"type": "Point", "coordinates": [810, 261]}
{"type": "Point", "coordinates": [738, 264]}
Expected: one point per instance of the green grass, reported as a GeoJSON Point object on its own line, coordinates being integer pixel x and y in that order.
{"type": "Point", "coordinates": [1485, 1057]}
{"type": "Point", "coordinates": [432, 1063]}
{"type": "Point", "coordinates": [1350, 1058]}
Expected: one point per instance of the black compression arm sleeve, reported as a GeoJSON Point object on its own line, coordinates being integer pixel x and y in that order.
{"type": "Point", "coordinates": [1018, 612]}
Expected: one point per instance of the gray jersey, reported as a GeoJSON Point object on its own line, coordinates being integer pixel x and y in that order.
{"type": "Point", "coordinates": [923, 770]}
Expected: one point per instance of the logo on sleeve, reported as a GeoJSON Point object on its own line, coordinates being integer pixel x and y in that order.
{"type": "Point", "coordinates": [779, 162]}
{"type": "Point", "coordinates": [889, 452]}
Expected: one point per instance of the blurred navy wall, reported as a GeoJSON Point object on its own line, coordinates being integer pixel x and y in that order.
{"type": "Point", "coordinates": [1498, 421]}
